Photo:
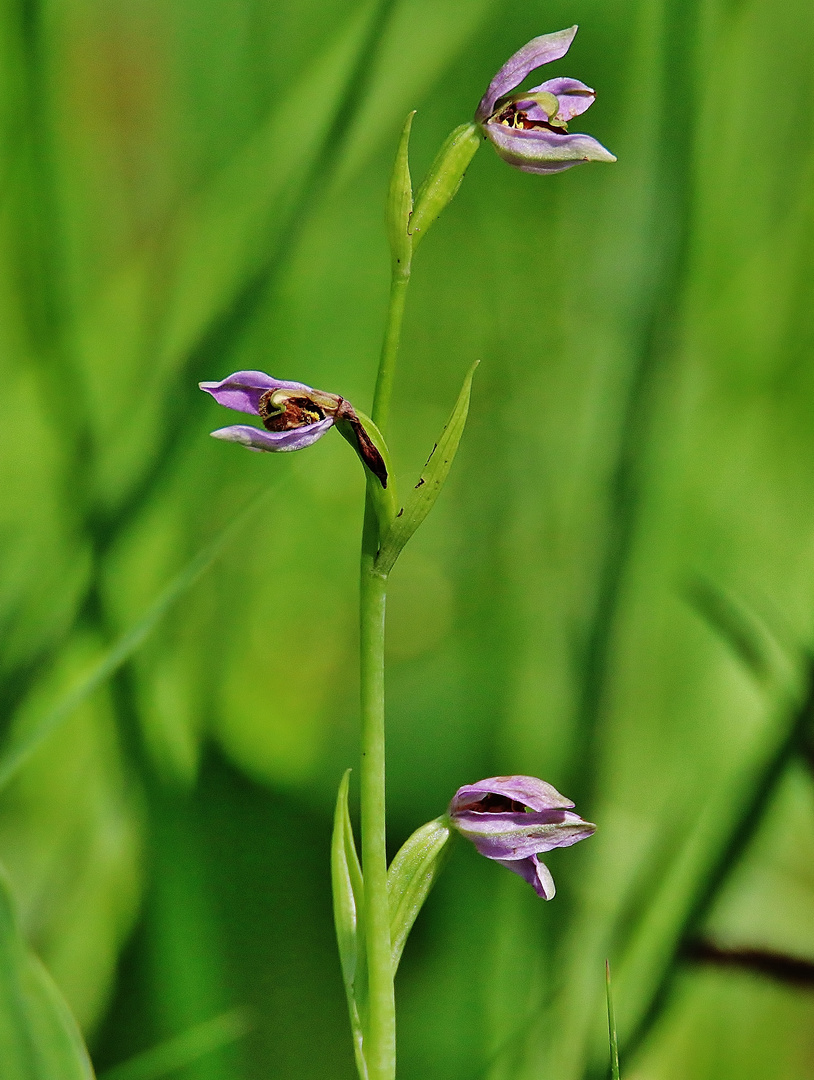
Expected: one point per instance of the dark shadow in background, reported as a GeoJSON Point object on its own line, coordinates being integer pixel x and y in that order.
{"type": "Point", "coordinates": [240, 890]}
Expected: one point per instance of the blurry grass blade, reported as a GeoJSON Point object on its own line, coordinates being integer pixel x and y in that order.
{"type": "Point", "coordinates": [348, 900]}
{"type": "Point", "coordinates": [400, 202]}
{"type": "Point", "coordinates": [55, 1033]}
{"type": "Point", "coordinates": [432, 479]}
{"type": "Point", "coordinates": [424, 40]}
{"type": "Point", "coordinates": [732, 623]}
{"type": "Point", "coordinates": [39, 1038]}
{"type": "Point", "coordinates": [723, 849]}
{"type": "Point", "coordinates": [412, 874]}
{"type": "Point", "coordinates": [443, 179]}
{"type": "Point", "coordinates": [182, 1050]}
{"type": "Point", "coordinates": [235, 223]}
{"type": "Point", "coordinates": [614, 1043]}
{"type": "Point", "coordinates": [18, 753]}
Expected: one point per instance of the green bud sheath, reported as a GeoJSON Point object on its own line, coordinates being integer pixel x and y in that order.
{"type": "Point", "coordinates": [400, 204]}
{"type": "Point", "coordinates": [443, 179]}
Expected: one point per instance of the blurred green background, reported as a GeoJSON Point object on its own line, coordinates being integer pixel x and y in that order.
{"type": "Point", "coordinates": [615, 592]}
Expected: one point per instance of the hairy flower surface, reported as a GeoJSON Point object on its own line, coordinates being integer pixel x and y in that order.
{"type": "Point", "coordinates": [294, 416]}
{"type": "Point", "coordinates": [529, 129]}
{"type": "Point", "coordinates": [512, 819]}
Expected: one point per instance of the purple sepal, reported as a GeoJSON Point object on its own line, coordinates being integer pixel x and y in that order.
{"type": "Point", "coordinates": [534, 793]}
{"type": "Point", "coordinates": [274, 441]}
{"type": "Point", "coordinates": [540, 50]}
{"type": "Point", "coordinates": [541, 151]}
{"type": "Point", "coordinates": [242, 390]}
{"type": "Point", "coordinates": [535, 873]}
{"type": "Point", "coordinates": [518, 835]}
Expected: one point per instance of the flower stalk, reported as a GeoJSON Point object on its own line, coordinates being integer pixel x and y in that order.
{"type": "Point", "coordinates": [380, 1036]}
{"type": "Point", "coordinates": [399, 284]}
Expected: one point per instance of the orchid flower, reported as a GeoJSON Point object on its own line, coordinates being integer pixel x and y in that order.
{"type": "Point", "coordinates": [294, 416]}
{"type": "Point", "coordinates": [529, 129]}
{"type": "Point", "coordinates": [512, 819]}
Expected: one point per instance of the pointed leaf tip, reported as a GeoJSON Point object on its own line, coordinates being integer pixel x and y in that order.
{"type": "Point", "coordinates": [348, 900]}
{"type": "Point", "coordinates": [39, 1038]}
{"type": "Point", "coordinates": [433, 476]}
{"type": "Point", "coordinates": [400, 203]}
{"type": "Point", "coordinates": [612, 1037]}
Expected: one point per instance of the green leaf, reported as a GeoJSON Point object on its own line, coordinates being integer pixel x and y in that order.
{"type": "Point", "coordinates": [432, 479]}
{"type": "Point", "coordinates": [614, 1042]}
{"type": "Point", "coordinates": [400, 203]}
{"type": "Point", "coordinates": [412, 874]}
{"type": "Point", "coordinates": [348, 898]}
{"type": "Point", "coordinates": [443, 179]}
{"type": "Point", "coordinates": [39, 1038]}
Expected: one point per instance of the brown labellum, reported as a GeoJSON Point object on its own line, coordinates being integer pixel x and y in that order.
{"type": "Point", "coordinates": [293, 412]}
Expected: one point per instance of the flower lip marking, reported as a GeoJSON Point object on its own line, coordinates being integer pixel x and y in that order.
{"type": "Point", "coordinates": [493, 803]}
{"type": "Point", "coordinates": [512, 117]}
{"type": "Point", "coordinates": [281, 412]}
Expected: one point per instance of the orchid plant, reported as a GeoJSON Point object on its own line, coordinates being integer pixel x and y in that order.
{"type": "Point", "coordinates": [510, 819]}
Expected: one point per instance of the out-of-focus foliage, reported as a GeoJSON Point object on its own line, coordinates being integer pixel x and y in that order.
{"type": "Point", "coordinates": [39, 1036]}
{"type": "Point", "coordinates": [615, 591]}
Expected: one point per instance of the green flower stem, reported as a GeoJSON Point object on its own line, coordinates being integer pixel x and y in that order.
{"type": "Point", "coordinates": [380, 1035]}
{"type": "Point", "coordinates": [390, 347]}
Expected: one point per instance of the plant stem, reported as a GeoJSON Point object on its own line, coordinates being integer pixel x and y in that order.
{"type": "Point", "coordinates": [380, 1041]}
{"type": "Point", "coordinates": [390, 347]}
{"type": "Point", "coordinates": [380, 1036]}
